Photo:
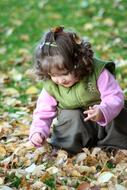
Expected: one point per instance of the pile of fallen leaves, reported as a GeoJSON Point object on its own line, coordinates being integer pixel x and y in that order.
{"type": "Point", "coordinates": [23, 166]}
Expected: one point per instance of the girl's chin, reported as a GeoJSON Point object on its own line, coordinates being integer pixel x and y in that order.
{"type": "Point", "coordinates": [68, 85]}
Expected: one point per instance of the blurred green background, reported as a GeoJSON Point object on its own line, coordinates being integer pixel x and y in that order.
{"type": "Point", "coordinates": [22, 23]}
{"type": "Point", "coordinates": [103, 22]}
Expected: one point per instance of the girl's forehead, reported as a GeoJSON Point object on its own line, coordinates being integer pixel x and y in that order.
{"type": "Point", "coordinates": [58, 71]}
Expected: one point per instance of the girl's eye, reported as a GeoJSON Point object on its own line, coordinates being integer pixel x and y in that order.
{"type": "Point", "coordinates": [66, 73]}
{"type": "Point", "coordinates": [62, 74]}
{"type": "Point", "coordinates": [53, 75]}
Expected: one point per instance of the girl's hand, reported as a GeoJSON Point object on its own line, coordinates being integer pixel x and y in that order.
{"type": "Point", "coordinates": [37, 139]}
{"type": "Point", "coordinates": [94, 114]}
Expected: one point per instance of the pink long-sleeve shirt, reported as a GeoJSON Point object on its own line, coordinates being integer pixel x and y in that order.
{"type": "Point", "coordinates": [112, 102]}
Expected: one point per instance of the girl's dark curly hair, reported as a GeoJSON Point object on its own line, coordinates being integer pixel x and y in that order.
{"type": "Point", "coordinates": [63, 51]}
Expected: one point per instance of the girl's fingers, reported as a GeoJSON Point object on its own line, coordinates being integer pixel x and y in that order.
{"type": "Point", "coordinates": [92, 113]}
{"type": "Point", "coordinates": [87, 118]}
{"type": "Point", "coordinates": [90, 117]}
{"type": "Point", "coordinates": [37, 141]}
{"type": "Point", "coordinates": [88, 111]}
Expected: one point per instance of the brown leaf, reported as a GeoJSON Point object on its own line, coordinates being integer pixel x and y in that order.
{"type": "Point", "coordinates": [63, 187]}
{"type": "Point", "coordinates": [84, 186]}
{"type": "Point", "coordinates": [91, 161]}
{"type": "Point", "coordinates": [5, 128]}
{"type": "Point", "coordinates": [24, 37]}
{"type": "Point", "coordinates": [121, 156]}
{"type": "Point", "coordinates": [61, 157]}
{"type": "Point", "coordinates": [45, 176]}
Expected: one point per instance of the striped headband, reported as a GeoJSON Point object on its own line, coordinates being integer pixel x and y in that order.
{"type": "Point", "coordinates": [53, 44]}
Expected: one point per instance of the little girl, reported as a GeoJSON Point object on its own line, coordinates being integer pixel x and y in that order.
{"type": "Point", "coordinates": [81, 91]}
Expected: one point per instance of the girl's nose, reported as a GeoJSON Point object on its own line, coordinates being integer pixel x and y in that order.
{"type": "Point", "coordinates": [63, 80]}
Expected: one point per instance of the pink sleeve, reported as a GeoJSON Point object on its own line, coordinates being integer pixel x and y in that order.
{"type": "Point", "coordinates": [112, 97]}
{"type": "Point", "coordinates": [43, 115]}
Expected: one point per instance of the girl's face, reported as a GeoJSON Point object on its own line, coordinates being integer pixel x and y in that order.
{"type": "Point", "coordinates": [64, 78]}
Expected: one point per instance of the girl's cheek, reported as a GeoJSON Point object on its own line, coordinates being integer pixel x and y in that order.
{"type": "Point", "coordinates": [54, 80]}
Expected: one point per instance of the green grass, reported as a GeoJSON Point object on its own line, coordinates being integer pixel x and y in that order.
{"type": "Point", "coordinates": [22, 23]}
{"type": "Point", "coordinates": [32, 18]}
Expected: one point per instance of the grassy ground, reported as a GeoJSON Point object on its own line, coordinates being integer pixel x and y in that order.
{"type": "Point", "coordinates": [103, 22]}
{"type": "Point", "coordinates": [22, 23]}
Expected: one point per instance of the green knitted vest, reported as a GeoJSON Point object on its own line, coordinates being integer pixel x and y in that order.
{"type": "Point", "coordinates": [81, 95]}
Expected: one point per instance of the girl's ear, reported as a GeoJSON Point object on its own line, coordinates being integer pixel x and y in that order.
{"type": "Point", "coordinates": [76, 39]}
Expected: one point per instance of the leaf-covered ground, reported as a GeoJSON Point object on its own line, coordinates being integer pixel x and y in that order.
{"type": "Point", "coordinates": [22, 166]}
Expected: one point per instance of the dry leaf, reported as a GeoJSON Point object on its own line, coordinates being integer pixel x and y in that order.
{"type": "Point", "coordinates": [91, 161]}
{"type": "Point", "coordinates": [31, 168]}
{"type": "Point", "coordinates": [86, 169]}
{"type": "Point", "coordinates": [63, 187]}
{"type": "Point", "coordinates": [15, 75]}
{"type": "Point", "coordinates": [121, 156]}
{"type": "Point", "coordinates": [4, 187]}
{"type": "Point", "coordinates": [80, 157]}
{"type": "Point", "coordinates": [84, 186]}
{"type": "Point", "coordinates": [61, 158]}
{"type": "Point", "coordinates": [75, 173]}
{"type": "Point", "coordinates": [105, 177]}
{"type": "Point", "coordinates": [39, 185]}
{"type": "Point", "coordinates": [88, 26]}
{"type": "Point", "coordinates": [25, 37]}
{"type": "Point", "coordinates": [2, 151]}
{"type": "Point", "coordinates": [1, 181]}
{"type": "Point", "coordinates": [11, 92]}
{"type": "Point", "coordinates": [52, 170]}
{"type": "Point", "coordinates": [32, 90]}
{"type": "Point", "coordinates": [108, 21]}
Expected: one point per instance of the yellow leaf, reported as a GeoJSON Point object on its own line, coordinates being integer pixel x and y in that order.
{"type": "Point", "coordinates": [108, 22]}
{"type": "Point", "coordinates": [4, 78]}
{"type": "Point", "coordinates": [2, 152]}
{"type": "Point", "coordinates": [88, 26]}
{"type": "Point", "coordinates": [19, 124]}
{"type": "Point", "coordinates": [21, 128]}
{"type": "Point", "coordinates": [52, 170]}
{"type": "Point", "coordinates": [75, 173]}
{"type": "Point", "coordinates": [32, 90]}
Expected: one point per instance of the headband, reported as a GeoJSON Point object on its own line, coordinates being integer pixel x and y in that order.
{"type": "Point", "coordinates": [53, 44]}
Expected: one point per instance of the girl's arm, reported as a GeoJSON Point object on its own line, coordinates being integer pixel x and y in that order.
{"type": "Point", "coordinates": [112, 97]}
{"type": "Point", "coordinates": [43, 115]}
